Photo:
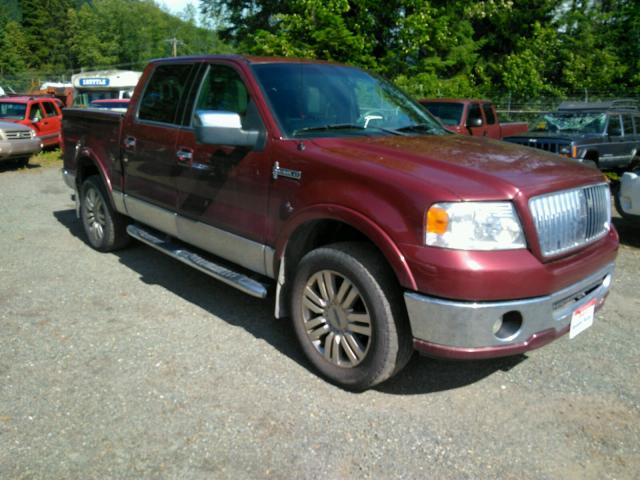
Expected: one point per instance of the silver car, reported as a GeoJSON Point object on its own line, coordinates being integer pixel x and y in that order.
{"type": "Point", "coordinates": [18, 142]}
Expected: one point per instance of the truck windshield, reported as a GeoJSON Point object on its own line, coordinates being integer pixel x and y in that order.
{"type": "Point", "coordinates": [311, 100]}
{"type": "Point", "coordinates": [14, 111]}
{"type": "Point", "coordinates": [449, 113]}
{"type": "Point", "coordinates": [577, 122]}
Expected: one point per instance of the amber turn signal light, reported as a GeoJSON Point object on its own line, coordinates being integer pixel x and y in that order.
{"type": "Point", "coordinates": [437, 220]}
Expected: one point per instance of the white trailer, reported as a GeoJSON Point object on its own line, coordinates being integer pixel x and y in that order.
{"type": "Point", "coordinates": [103, 84]}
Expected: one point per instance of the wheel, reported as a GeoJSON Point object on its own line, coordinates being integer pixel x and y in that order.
{"type": "Point", "coordinates": [104, 227]}
{"type": "Point", "coordinates": [23, 162]}
{"type": "Point", "coordinates": [349, 315]}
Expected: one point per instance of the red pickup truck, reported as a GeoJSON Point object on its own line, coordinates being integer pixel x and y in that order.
{"type": "Point", "coordinates": [376, 230]}
{"type": "Point", "coordinates": [472, 117]}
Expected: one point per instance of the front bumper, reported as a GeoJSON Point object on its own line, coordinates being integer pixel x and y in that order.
{"type": "Point", "coordinates": [20, 148]}
{"type": "Point", "coordinates": [473, 330]}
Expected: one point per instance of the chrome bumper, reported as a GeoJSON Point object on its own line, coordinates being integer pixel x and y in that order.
{"type": "Point", "coordinates": [20, 148]}
{"type": "Point", "coordinates": [491, 329]}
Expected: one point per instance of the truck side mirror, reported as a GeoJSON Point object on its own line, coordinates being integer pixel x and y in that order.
{"type": "Point", "coordinates": [216, 127]}
{"type": "Point", "coordinates": [474, 122]}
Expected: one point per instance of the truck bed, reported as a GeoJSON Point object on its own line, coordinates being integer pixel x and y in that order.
{"type": "Point", "coordinates": [98, 128]}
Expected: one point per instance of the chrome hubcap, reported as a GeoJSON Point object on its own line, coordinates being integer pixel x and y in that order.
{"type": "Point", "coordinates": [95, 215]}
{"type": "Point", "coordinates": [336, 319]}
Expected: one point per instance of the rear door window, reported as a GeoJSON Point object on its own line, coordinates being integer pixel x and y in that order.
{"type": "Point", "coordinates": [162, 96]}
{"type": "Point", "coordinates": [50, 108]}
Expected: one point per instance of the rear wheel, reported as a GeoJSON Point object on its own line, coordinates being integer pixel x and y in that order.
{"type": "Point", "coordinates": [104, 227]}
{"type": "Point", "coordinates": [349, 315]}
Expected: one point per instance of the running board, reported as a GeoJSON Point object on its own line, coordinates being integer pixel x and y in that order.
{"type": "Point", "coordinates": [238, 280]}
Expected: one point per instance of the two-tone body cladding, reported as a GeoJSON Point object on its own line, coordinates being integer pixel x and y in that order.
{"type": "Point", "coordinates": [380, 231]}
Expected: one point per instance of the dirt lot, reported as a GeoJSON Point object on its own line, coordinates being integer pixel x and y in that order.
{"type": "Point", "coordinates": [131, 365]}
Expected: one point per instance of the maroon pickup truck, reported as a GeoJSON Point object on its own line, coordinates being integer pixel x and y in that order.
{"type": "Point", "coordinates": [477, 118]}
{"type": "Point", "coordinates": [376, 230]}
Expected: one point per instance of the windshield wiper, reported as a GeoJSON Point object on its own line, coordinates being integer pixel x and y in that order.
{"type": "Point", "coordinates": [342, 126]}
{"type": "Point", "coordinates": [418, 127]}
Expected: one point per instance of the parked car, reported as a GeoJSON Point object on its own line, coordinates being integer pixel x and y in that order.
{"type": "Point", "coordinates": [628, 196]}
{"type": "Point", "coordinates": [42, 114]}
{"type": "Point", "coordinates": [377, 231]}
{"type": "Point", "coordinates": [478, 118]}
{"type": "Point", "coordinates": [18, 142]}
{"type": "Point", "coordinates": [605, 134]}
{"type": "Point", "coordinates": [115, 104]}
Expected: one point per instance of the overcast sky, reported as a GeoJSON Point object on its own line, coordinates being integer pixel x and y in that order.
{"type": "Point", "coordinates": [177, 6]}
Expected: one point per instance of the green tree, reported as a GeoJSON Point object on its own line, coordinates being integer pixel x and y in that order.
{"type": "Point", "coordinates": [14, 52]}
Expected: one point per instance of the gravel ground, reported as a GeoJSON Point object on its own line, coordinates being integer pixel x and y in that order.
{"type": "Point", "coordinates": [132, 365]}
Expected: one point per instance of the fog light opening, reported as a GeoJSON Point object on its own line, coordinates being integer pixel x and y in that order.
{"type": "Point", "coordinates": [507, 327]}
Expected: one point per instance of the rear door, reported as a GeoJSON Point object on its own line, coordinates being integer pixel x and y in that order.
{"type": "Point", "coordinates": [149, 137]}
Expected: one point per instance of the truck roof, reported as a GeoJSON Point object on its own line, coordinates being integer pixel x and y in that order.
{"type": "Point", "coordinates": [251, 59]}
{"type": "Point", "coordinates": [619, 104]}
{"type": "Point", "coordinates": [454, 100]}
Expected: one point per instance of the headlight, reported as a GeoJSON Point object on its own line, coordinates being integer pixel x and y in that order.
{"type": "Point", "coordinates": [474, 226]}
{"type": "Point", "coordinates": [33, 133]}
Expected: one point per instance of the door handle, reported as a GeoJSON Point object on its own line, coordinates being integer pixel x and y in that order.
{"type": "Point", "coordinates": [130, 143]}
{"type": "Point", "coordinates": [184, 156]}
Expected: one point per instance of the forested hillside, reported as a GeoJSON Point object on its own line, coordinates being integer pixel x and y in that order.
{"type": "Point", "coordinates": [526, 49]}
{"type": "Point", "coordinates": [50, 39]}
{"type": "Point", "coordinates": [499, 48]}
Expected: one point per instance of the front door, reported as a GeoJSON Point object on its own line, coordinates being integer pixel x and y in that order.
{"type": "Point", "coordinates": [51, 122]}
{"type": "Point", "coordinates": [222, 189]}
{"type": "Point", "coordinates": [474, 117]}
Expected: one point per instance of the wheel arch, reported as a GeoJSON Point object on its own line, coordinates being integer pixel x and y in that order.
{"type": "Point", "coordinates": [88, 164]}
{"type": "Point", "coordinates": [321, 226]}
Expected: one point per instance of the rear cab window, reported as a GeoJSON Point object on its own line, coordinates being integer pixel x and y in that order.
{"type": "Point", "coordinates": [488, 113]}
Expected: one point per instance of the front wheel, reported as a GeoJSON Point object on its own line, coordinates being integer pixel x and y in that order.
{"type": "Point", "coordinates": [349, 315]}
{"type": "Point", "coordinates": [104, 227]}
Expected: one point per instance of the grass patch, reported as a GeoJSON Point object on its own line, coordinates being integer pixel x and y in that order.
{"type": "Point", "coordinates": [46, 159]}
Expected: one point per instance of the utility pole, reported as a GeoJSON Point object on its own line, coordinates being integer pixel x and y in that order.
{"type": "Point", "coordinates": [174, 45]}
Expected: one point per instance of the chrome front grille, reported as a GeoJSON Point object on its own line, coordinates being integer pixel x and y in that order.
{"type": "Point", "coordinates": [572, 218]}
{"type": "Point", "coordinates": [547, 146]}
{"type": "Point", "coordinates": [17, 135]}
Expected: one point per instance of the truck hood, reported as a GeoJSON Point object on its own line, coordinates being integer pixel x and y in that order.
{"type": "Point", "coordinates": [467, 166]}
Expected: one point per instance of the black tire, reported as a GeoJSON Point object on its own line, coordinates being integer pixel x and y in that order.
{"type": "Point", "coordinates": [23, 162]}
{"type": "Point", "coordinates": [104, 227]}
{"type": "Point", "coordinates": [365, 354]}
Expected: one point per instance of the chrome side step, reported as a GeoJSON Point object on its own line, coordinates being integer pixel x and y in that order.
{"type": "Point", "coordinates": [235, 279]}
